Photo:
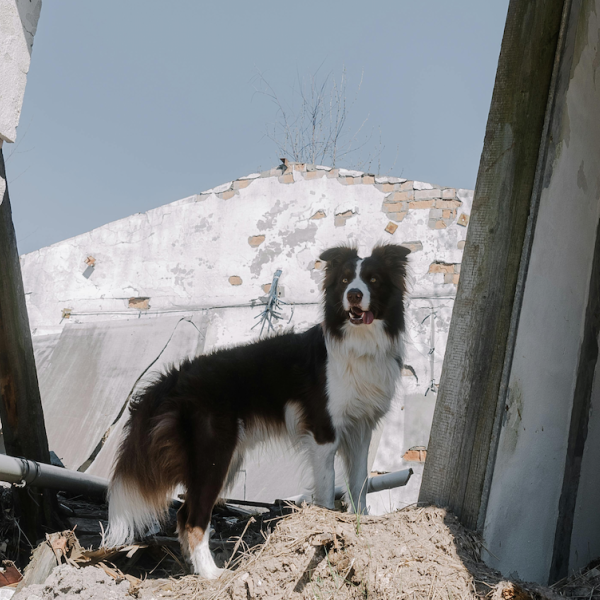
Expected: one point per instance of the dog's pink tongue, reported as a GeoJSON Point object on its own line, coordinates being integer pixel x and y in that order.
{"type": "Point", "coordinates": [367, 317]}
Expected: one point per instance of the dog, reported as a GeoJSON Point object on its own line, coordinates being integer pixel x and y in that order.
{"type": "Point", "coordinates": [325, 388]}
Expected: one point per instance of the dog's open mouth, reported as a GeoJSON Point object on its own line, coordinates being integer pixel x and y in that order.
{"type": "Point", "coordinates": [358, 316]}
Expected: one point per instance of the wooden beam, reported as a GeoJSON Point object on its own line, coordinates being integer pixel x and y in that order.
{"type": "Point", "coordinates": [463, 437]}
{"type": "Point", "coordinates": [20, 403]}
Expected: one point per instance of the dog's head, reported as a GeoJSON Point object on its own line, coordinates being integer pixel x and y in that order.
{"type": "Point", "coordinates": [360, 291]}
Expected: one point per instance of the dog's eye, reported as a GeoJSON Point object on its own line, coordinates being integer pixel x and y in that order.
{"type": "Point", "coordinates": [373, 279]}
{"type": "Point", "coordinates": [345, 280]}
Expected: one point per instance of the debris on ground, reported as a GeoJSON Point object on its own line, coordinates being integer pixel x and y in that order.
{"type": "Point", "coordinates": [418, 552]}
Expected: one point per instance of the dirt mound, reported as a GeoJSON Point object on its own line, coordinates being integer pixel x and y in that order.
{"type": "Point", "coordinates": [316, 553]}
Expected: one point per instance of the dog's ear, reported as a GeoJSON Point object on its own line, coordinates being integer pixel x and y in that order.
{"type": "Point", "coordinates": [391, 254]}
{"type": "Point", "coordinates": [338, 255]}
{"type": "Point", "coordinates": [394, 258]}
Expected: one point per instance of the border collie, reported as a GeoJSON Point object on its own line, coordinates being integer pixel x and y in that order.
{"type": "Point", "coordinates": [326, 389]}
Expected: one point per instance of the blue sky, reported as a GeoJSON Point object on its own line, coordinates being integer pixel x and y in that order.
{"type": "Point", "coordinates": [131, 105]}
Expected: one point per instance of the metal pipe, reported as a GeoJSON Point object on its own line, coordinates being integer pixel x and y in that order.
{"type": "Point", "coordinates": [30, 472]}
{"type": "Point", "coordinates": [374, 484]}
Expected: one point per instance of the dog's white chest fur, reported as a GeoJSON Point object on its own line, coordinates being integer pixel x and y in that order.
{"type": "Point", "coordinates": [362, 370]}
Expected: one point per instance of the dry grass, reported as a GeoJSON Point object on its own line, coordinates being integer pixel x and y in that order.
{"type": "Point", "coordinates": [315, 553]}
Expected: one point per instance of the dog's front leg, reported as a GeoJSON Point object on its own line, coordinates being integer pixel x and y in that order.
{"type": "Point", "coordinates": [322, 460]}
{"type": "Point", "coordinates": [355, 453]}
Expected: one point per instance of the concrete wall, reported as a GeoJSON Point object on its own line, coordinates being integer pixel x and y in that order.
{"type": "Point", "coordinates": [523, 507]}
{"type": "Point", "coordinates": [214, 254]}
{"type": "Point", "coordinates": [18, 22]}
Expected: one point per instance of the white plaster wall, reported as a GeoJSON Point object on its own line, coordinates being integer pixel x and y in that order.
{"type": "Point", "coordinates": [18, 23]}
{"type": "Point", "coordinates": [523, 506]}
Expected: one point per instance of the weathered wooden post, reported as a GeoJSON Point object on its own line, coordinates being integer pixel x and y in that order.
{"type": "Point", "coordinates": [469, 407]}
{"type": "Point", "coordinates": [20, 403]}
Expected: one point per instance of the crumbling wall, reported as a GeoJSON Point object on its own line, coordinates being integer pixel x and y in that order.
{"type": "Point", "coordinates": [212, 257]}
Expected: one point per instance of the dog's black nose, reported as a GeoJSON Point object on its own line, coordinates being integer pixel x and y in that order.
{"type": "Point", "coordinates": [354, 296]}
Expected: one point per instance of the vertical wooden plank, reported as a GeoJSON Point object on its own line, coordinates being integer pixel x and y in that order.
{"type": "Point", "coordinates": [463, 425]}
{"type": "Point", "coordinates": [20, 403]}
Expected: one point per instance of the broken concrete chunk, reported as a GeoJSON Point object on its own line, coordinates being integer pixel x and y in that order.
{"type": "Point", "coordinates": [235, 280]}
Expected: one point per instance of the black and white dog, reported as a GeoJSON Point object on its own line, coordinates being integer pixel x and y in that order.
{"type": "Point", "coordinates": [325, 388]}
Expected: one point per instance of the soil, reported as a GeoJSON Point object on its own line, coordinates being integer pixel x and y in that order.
{"type": "Point", "coordinates": [419, 552]}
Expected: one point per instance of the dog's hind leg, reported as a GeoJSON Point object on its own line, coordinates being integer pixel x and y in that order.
{"type": "Point", "coordinates": [209, 464]}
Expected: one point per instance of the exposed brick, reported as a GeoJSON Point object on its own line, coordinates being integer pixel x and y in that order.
{"type": "Point", "coordinates": [240, 184]}
{"type": "Point", "coordinates": [441, 267]}
{"type": "Point", "coordinates": [341, 218]}
{"type": "Point", "coordinates": [314, 174]}
{"type": "Point", "coordinates": [419, 204]}
{"type": "Point", "coordinates": [256, 240]}
{"type": "Point", "coordinates": [333, 173]}
{"type": "Point", "coordinates": [368, 179]}
{"type": "Point", "coordinates": [287, 178]}
{"type": "Point", "coordinates": [227, 195]}
{"type": "Point", "coordinates": [320, 214]}
{"type": "Point", "coordinates": [391, 228]}
{"type": "Point", "coordinates": [300, 167]}
{"type": "Point", "coordinates": [455, 278]}
{"type": "Point", "coordinates": [461, 244]}
{"type": "Point", "coordinates": [447, 214]}
{"type": "Point", "coordinates": [397, 216]}
{"type": "Point", "coordinates": [139, 303]}
{"type": "Point", "coordinates": [413, 246]}
{"type": "Point", "coordinates": [407, 185]}
{"type": "Point", "coordinates": [387, 187]}
{"type": "Point", "coordinates": [457, 267]}
{"type": "Point", "coordinates": [400, 197]}
{"type": "Point", "coordinates": [318, 265]}
{"type": "Point", "coordinates": [416, 454]}
{"type": "Point", "coordinates": [394, 207]}
{"type": "Point", "coordinates": [235, 280]}
{"type": "Point", "coordinates": [449, 194]}
{"type": "Point", "coordinates": [447, 203]}
{"type": "Point", "coordinates": [266, 288]}
{"type": "Point", "coordinates": [90, 261]}
{"type": "Point", "coordinates": [463, 219]}
{"type": "Point", "coordinates": [428, 194]}
{"type": "Point", "coordinates": [439, 225]}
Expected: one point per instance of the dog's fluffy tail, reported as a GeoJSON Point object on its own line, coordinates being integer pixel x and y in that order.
{"type": "Point", "coordinates": [150, 464]}
{"type": "Point", "coordinates": [131, 514]}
